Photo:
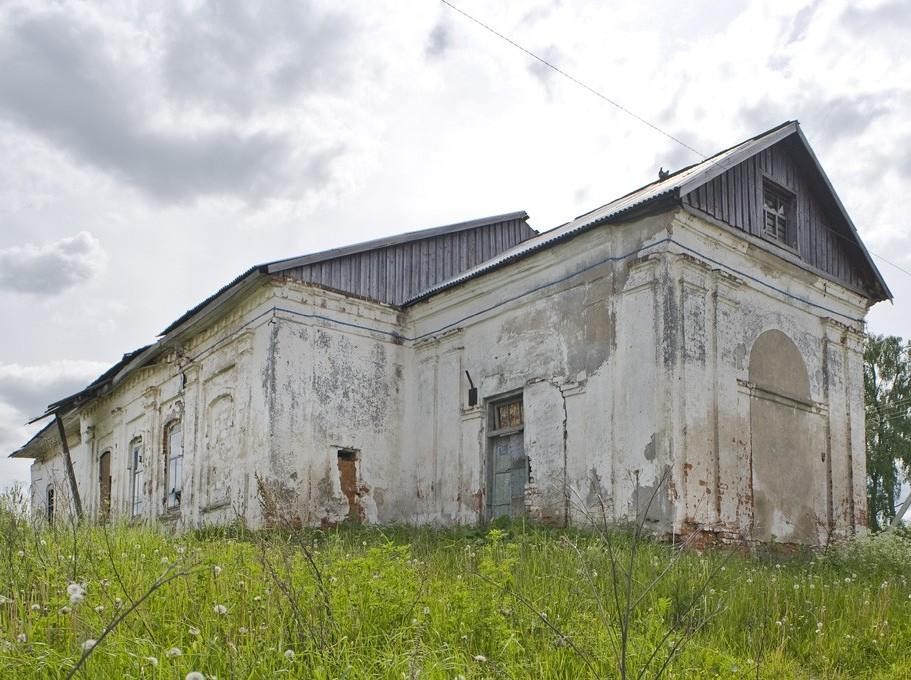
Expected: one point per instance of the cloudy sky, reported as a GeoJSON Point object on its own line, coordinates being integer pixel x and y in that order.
{"type": "Point", "coordinates": [153, 151]}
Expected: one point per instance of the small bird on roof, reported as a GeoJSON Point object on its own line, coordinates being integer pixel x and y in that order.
{"type": "Point", "coordinates": [663, 174]}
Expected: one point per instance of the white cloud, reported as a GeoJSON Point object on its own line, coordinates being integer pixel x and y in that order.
{"type": "Point", "coordinates": [25, 391]}
{"type": "Point", "coordinates": [51, 268]}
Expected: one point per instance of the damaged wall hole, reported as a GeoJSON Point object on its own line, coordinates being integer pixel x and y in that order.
{"type": "Point", "coordinates": [348, 478]}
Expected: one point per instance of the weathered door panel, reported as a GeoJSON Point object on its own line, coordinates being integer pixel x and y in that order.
{"type": "Point", "coordinates": [509, 475]}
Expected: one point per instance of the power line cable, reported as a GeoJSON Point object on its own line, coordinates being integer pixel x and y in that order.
{"type": "Point", "coordinates": [635, 116]}
{"type": "Point", "coordinates": [572, 78]}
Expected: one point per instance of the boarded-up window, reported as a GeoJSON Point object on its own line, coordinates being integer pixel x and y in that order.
{"type": "Point", "coordinates": [508, 414]}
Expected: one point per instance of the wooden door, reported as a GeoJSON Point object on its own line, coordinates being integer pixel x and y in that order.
{"type": "Point", "coordinates": [104, 483]}
{"type": "Point", "coordinates": [508, 476]}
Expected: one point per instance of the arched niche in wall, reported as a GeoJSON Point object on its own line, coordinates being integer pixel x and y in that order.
{"type": "Point", "coordinates": [220, 448]}
{"type": "Point", "coordinates": [776, 365]}
{"type": "Point", "coordinates": [787, 436]}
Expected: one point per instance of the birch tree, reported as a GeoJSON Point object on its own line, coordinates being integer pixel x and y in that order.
{"type": "Point", "coordinates": [887, 392]}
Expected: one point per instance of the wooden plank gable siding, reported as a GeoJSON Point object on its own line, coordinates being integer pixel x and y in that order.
{"type": "Point", "coordinates": [396, 273]}
{"type": "Point", "coordinates": [735, 198]}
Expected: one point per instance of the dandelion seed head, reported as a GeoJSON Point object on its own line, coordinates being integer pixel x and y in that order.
{"type": "Point", "coordinates": [479, 658]}
{"type": "Point", "coordinates": [76, 598]}
{"type": "Point", "coordinates": [65, 610]}
{"type": "Point", "coordinates": [426, 611]}
{"type": "Point", "coordinates": [289, 654]}
{"type": "Point", "coordinates": [118, 603]}
{"type": "Point", "coordinates": [75, 589]}
{"type": "Point", "coordinates": [88, 644]}
{"type": "Point", "coordinates": [216, 570]}
{"type": "Point", "coordinates": [20, 553]}
{"type": "Point", "coordinates": [220, 609]}
{"type": "Point", "coordinates": [35, 607]}
{"type": "Point", "coordinates": [242, 630]}
{"type": "Point", "coordinates": [99, 609]}
{"type": "Point", "coordinates": [22, 637]}
{"type": "Point", "coordinates": [194, 631]}
{"type": "Point", "coordinates": [173, 652]}
{"type": "Point", "coordinates": [195, 675]}
{"type": "Point", "coordinates": [153, 660]}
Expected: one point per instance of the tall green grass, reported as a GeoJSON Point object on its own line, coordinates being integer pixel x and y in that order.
{"type": "Point", "coordinates": [415, 603]}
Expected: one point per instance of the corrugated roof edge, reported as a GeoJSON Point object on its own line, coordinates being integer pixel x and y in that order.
{"type": "Point", "coordinates": [670, 188]}
{"type": "Point", "coordinates": [276, 266]}
{"type": "Point", "coordinates": [523, 250]}
{"type": "Point", "coordinates": [21, 451]}
{"type": "Point", "coordinates": [648, 194]}
{"type": "Point", "coordinates": [97, 384]}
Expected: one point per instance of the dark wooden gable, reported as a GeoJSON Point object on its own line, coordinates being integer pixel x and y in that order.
{"type": "Point", "coordinates": [397, 271]}
{"type": "Point", "coordinates": [821, 237]}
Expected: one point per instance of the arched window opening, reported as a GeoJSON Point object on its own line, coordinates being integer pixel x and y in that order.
{"type": "Point", "coordinates": [137, 478]}
{"type": "Point", "coordinates": [173, 458]}
{"type": "Point", "coordinates": [104, 484]}
{"type": "Point", "coordinates": [49, 502]}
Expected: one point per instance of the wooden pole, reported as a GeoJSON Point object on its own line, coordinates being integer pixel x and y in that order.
{"type": "Point", "coordinates": [70, 473]}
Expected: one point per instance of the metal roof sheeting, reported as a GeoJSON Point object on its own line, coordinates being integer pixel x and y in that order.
{"type": "Point", "coordinates": [672, 187]}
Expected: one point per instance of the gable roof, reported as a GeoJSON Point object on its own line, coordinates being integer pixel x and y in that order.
{"type": "Point", "coordinates": [653, 197]}
{"type": "Point", "coordinates": [659, 195]}
{"type": "Point", "coordinates": [242, 283]}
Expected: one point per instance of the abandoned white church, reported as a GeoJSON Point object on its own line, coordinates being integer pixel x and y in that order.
{"type": "Point", "coordinates": [702, 333]}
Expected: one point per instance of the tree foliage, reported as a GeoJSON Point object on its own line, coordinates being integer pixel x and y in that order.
{"type": "Point", "coordinates": [887, 391]}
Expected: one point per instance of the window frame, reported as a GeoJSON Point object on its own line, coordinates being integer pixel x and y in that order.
{"type": "Point", "coordinates": [785, 216]}
{"type": "Point", "coordinates": [173, 466]}
{"type": "Point", "coordinates": [137, 477]}
{"type": "Point", "coordinates": [50, 502]}
{"type": "Point", "coordinates": [497, 426]}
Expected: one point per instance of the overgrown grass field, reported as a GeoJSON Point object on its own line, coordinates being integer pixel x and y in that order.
{"type": "Point", "coordinates": [516, 602]}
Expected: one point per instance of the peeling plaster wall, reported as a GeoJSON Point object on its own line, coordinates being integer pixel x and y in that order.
{"type": "Point", "coordinates": [630, 345]}
{"type": "Point", "coordinates": [646, 361]}
{"type": "Point", "coordinates": [206, 383]}
{"type": "Point", "coordinates": [330, 386]}
{"type": "Point", "coordinates": [733, 427]}
{"type": "Point", "coordinates": [581, 352]}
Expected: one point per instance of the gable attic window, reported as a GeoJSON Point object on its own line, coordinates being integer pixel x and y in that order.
{"type": "Point", "coordinates": [778, 223]}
